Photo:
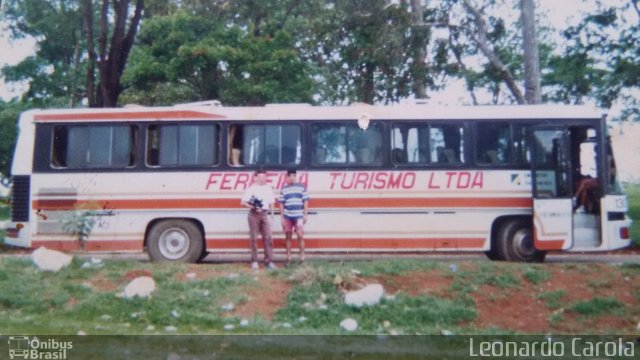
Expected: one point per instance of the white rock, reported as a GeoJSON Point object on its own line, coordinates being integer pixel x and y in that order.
{"type": "Point", "coordinates": [367, 296]}
{"type": "Point", "coordinates": [229, 327]}
{"type": "Point", "coordinates": [228, 307]}
{"type": "Point", "coordinates": [105, 317]}
{"type": "Point", "coordinates": [349, 324]}
{"type": "Point", "coordinates": [170, 328]}
{"type": "Point", "coordinates": [286, 325]}
{"type": "Point", "coordinates": [233, 276]}
{"type": "Point", "coordinates": [386, 324]}
{"type": "Point", "coordinates": [446, 332]}
{"type": "Point", "coordinates": [141, 286]}
{"type": "Point", "coordinates": [175, 314]}
{"type": "Point", "coordinates": [191, 275]}
{"type": "Point", "coordinates": [50, 260]}
{"type": "Point", "coordinates": [81, 333]}
{"type": "Point", "coordinates": [173, 356]}
{"type": "Point", "coordinates": [244, 322]}
{"type": "Point", "coordinates": [323, 307]}
{"type": "Point", "coordinates": [150, 328]}
{"type": "Point", "coordinates": [302, 319]}
{"type": "Point", "coordinates": [96, 261]}
{"type": "Point", "coordinates": [205, 293]}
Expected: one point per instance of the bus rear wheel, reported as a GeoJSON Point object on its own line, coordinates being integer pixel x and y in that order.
{"type": "Point", "coordinates": [175, 241]}
{"type": "Point", "coordinates": [515, 242]}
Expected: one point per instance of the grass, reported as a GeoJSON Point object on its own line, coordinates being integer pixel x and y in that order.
{"type": "Point", "coordinates": [321, 303]}
{"type": "Point", "coordinates": [633, 197]}
{"type": "Point", "coordinates": [598, 306]}
{"type": "Point", "coordinates": [536, 274]}
{"type": "Point", "coordinates": [552, 299]}
{"type": "Point", "coordinates": [5, 212]}
{"type": "Point", "coordinates": [85, 299]}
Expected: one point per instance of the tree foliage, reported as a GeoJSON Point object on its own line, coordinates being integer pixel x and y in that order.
{"type": "Point", "coordinates": [9, 113]}
{"type": "Point", "coordinates": [320, 51]}
{"type": "Point", "coordinates": [602, 59]}
{"type": "Point", "coordinates": [73, 49]}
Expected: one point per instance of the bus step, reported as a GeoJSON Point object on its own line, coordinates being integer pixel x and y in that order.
{"type": "Point", "coordinates": [586, 231]}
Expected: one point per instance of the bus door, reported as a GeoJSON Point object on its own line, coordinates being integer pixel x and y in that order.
{"type": "Point", "coordinates": [552, 188]}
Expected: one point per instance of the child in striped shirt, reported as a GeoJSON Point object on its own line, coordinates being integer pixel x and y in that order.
{"type": "Point", "coordinates": [294, 201]}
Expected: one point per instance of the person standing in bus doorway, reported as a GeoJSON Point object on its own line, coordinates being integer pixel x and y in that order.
{"type": "Point", "coordinates": [259, 198]}
{"type": "Point", "coordinates": [294, 207]}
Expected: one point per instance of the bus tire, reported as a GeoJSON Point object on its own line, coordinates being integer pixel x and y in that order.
{"type": "Point", "coordinates": [175, 241]}
{"type": "Point", "coordinates": [515, 242]}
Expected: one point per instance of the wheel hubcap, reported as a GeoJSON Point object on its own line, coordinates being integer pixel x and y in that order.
{"type": "Point", "coordinates": [523, 243]}
{"type": "Point", "coordinates": [174, 243]}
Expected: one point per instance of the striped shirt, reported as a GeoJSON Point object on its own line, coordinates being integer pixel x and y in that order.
{"type": "Point", "coordinates": [293, 196]}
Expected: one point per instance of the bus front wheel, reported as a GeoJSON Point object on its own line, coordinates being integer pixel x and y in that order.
{"type": "Point", "coordinates": [175, 241]}
{"type": "Point", "coordinates": [515, 242]}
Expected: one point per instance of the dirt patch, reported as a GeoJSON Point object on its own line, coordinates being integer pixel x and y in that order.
{"type": "Point", "coordinates": [101, 283]}
{"type": "Point", "coordinates": [414, 283]}
{"type": "Point", "coordinates": [202, 272]}
{"type": "Point", "coordinates": [132, 274]}
{"type": "Point", "coordinates": [269, 295]}
{"type": "Point", "coordinates": [522, 309]}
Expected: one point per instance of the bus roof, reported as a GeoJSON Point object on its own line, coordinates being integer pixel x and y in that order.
{"type": "Point", "coordinates": [308, 112]}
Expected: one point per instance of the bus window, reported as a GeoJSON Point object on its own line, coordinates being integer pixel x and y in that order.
{"type": "Point", "coordinates": [494, 141]}
{"type": "Point", "coordinates": [427, 144]}
{"type": "Point", "coordinates": [94, 146]}
{"type": "Point", "coordinates": [339, 144]}
{"type": "Point", "coordinates": [182, 145]}
{"type": "Point", "coordinates": [265, 145]}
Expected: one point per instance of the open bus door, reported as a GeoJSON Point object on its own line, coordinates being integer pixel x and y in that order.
{"type": "Point", "coordinates": [552, 188]}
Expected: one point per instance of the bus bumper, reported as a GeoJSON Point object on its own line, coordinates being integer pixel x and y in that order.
{"type": "Point", "coordinates": [18, 235]}
{"type": "Point", "coordinates": [619, 234]}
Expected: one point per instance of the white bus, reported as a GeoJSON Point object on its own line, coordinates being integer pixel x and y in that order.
{"type": "Point", "coordinates": [511, 181]}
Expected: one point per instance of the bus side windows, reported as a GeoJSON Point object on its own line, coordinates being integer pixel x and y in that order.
{"type": "Point", "coordinates": [494, 141]}
{"type": "Point", "coordinates": [259, 144]}
{"type": "Point", "coordinates": [182, 145]}
{"type": "Point", "coordinates": [422, 144]}
{"type": "Point", "coordinates": [342, 144]}
{"type": "Point", "coordinates": [94, 146]}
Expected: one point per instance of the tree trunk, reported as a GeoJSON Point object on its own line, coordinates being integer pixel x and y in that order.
{"type": "Point", "coordinates": [530, 50]}
{"type": "Point", "coordinates": [419, 42]}
{"type": "Point", "coordinates": [481, 40]}
{"type": "Point", "coordinates": [113, 53]}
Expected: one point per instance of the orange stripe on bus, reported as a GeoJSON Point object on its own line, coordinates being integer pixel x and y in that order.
{"type": "Point", "coordinates": [91, 245]}
{"type": "Point", "coordinates": [360, 243]}
{"type": "Point", "coordinates": [549, 244]}
{"type": "Point", "coordinates": [361, 203]}
{"type": "Point", "coordinates": [129, 115]}
{"type": "Point", "coordinates": [313, 243]}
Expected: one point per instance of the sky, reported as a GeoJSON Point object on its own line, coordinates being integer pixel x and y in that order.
{"type": "Point", "coordinates": [557, 13]}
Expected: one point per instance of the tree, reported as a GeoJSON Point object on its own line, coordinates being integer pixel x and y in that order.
{"type": "Point", "coordinates": [9, 113]}
{"type": "Point", "coordinates": [602, 59]}
{"type": "Point", "coordinates": [73, 50]}
{"type": "Point", "coordinates": [532, 93]}
{"type": "Point", "coordinates": [54, 74]}
{"type": "Point", "coordinates": [196, 58]}
{"type": "Point", "coordinates": [113, 48]}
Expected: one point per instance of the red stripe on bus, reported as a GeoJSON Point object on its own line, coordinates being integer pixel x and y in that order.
{"type": "Point", "coordinates": [129, 115]}
{"type": "Point", "coordinates": [360, 243]}
{"type": "Point", "coordinates": [549, 244]}
{"type": "Point", "coordinates": [312, 243]}
{"type": "Point", "coordinates": [91, 245]}
{"type": "Point", "coordinates": [361, 203]}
